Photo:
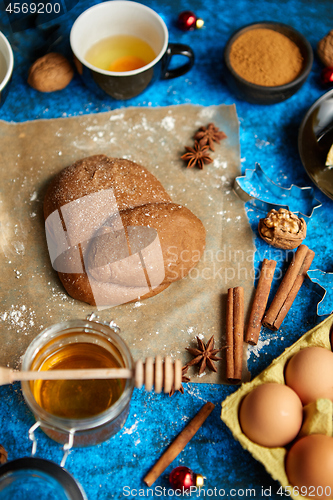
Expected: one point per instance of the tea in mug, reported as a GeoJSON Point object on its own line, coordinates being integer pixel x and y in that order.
{"type": "Point", "coordinates": [120, 53]}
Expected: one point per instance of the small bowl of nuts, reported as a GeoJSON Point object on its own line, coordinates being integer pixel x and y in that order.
{"type": "Point", "coordinates": [6, 67]}
{"type": "Point", "coordinates": [282, 229]}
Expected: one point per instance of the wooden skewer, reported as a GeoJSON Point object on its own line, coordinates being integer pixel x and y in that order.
{"type": "Point", "coordinates": [8, 376]}
{"type": "Point", "coordinates": [158, 374]}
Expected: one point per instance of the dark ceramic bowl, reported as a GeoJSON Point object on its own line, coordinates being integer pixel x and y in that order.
{"type": "Point", "coordinates": [315, 138]}
{"type": "Point", "coordinates": [259, 94]}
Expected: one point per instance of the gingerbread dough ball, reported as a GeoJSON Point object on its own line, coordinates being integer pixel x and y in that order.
{"type": "Point", "coordinates": [128, 239]}
{"type": "Point", "coordinates": [166, 232]}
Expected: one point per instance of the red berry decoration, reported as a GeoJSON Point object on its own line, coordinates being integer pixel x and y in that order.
{"type": "Point", "coordinates": [182, 478]}
{"type": "Point", "coordinates": [188, 21]}
{"type": "Point", "coordinates": [327, 76]}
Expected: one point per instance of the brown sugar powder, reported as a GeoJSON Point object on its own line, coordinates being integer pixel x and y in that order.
{"type": "Point", "coordinates": [266, 57]}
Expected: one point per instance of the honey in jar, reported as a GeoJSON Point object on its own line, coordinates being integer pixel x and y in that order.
{"type": "Point", "coordinates": [90, 410]}
{"type": "Point", "coordinates": [78, 398]}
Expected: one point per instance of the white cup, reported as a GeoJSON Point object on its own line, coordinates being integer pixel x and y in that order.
{"type": "Point", "coordinates": [124, 17]}
{"type": "Point", "coordinates": [6, 66]}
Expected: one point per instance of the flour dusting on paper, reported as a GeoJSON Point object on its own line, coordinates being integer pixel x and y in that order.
{"type": "Point", "coordinates": [168, 123]}
{"type": "Point", "coordinates": [155, 138]}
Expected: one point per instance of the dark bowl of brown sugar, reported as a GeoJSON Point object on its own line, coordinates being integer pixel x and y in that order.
{"type": "Point", "coordinates": [267, 62]}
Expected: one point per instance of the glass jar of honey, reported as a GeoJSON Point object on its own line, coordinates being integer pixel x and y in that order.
{"type": "Point", "coordinates": [78, 412]}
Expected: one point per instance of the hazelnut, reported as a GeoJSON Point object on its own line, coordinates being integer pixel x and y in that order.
{"type": "Point", "coordinates": [282, 229]}
{"type": "Point", "coordinates": [50, 72]}
{"type": "Point", "coordinates": [325, 50]}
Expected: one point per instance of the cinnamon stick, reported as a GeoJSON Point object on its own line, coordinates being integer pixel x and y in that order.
{"type": "Point", "coordinates": [289, 288]}
{"type": "Point", "coordinates": [178, 444]}
{"type": "Point", "coordinates": [260, 301]}
{"type": "Point", "coordinates": [235, 333]}
{"type": "Point", "coordinates": [230, 335]}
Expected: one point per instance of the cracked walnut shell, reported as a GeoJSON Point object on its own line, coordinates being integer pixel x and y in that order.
{"type": "Point", "coordinates": [282, 229]}
{"type": "Point", "coordinates": [50, 73]}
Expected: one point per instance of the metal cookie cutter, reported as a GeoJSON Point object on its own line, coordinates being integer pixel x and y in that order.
{"type": "Point", "coordinates": [325, 282]}
{"type": "Point", "coordinates": [262, 193]}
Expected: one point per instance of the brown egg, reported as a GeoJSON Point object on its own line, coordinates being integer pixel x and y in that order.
{"type": "Point", "coordinates": [309, 466]}
{"type": "Point", "coordinates": [271, 415]}
{"type": "Point", "coordinates": [310, 374]}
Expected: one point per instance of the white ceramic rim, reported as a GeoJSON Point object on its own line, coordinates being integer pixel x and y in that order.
{"type": "Point", "coordinates": [9, 60]}
{"type": "Point", "coordinates": [126, 3]}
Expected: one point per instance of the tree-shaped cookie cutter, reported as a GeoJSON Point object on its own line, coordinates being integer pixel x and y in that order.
{"type": "Point", "coordinates": [256, 188]}
{"type": "Point", "coordinates": [325, 282]}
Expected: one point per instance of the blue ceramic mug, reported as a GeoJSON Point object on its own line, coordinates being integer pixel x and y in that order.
{"type": "Point", "coordinates": [6, 67]}
{"type": "Point", "coordinates": [124, 17]}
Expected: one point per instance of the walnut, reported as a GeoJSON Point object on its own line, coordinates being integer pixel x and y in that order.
{"type": "Point", "coordinates": [325, 50]}
{"type": "Point", "coordinates": [282, 229]}
{"type": "Point", "coordinates": [50, 72]}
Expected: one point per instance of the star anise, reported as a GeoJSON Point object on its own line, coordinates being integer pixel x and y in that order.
{"type": "Point", "coordinates": [197, 155]}
{"type": "Point", "coordinates": [204, 355]}
{"type": "Point", "coordinates": [209, 135]}
{"type": "Point", "coordinates": [185, 380]}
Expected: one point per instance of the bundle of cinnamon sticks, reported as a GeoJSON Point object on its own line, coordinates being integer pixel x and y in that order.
{"type": "Point", "coordinates": [289, 288]}
{"type": "Point", "coordinates": [272, 318]}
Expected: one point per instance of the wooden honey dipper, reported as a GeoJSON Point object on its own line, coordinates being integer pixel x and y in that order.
{"type": "Point", "coordinates": [161, 373]}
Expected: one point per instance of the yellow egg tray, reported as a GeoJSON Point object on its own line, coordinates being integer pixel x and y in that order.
{"type": "Point", "coordinates": [318, 416]}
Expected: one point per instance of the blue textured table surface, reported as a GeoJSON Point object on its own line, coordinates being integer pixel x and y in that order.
{"type": "Point", "coordinates": [268, 135]}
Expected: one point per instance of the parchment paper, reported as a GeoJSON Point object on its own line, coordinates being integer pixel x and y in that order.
{"type": "Point", "coordinates": [32, 296]}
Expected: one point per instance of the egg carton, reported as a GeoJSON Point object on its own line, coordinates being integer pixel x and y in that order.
{"type": "Point", "coordinates": [318, 416]}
